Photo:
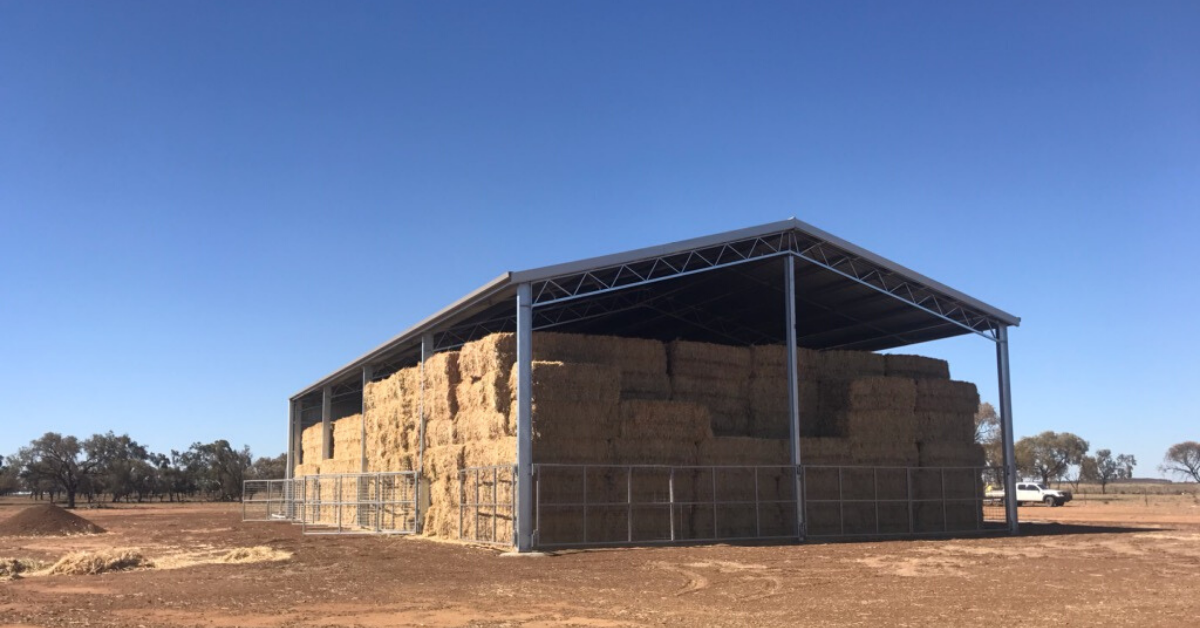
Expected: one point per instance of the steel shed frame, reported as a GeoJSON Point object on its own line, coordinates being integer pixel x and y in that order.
{"type": "Point", "coordinates": [861, 301]}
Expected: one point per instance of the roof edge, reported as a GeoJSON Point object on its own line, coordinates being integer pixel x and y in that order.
{"type": "Point", "coordinates": [412, 333]}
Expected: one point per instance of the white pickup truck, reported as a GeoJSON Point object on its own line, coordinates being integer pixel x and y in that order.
{"type": "Point", "coordinates": [1029, 492]}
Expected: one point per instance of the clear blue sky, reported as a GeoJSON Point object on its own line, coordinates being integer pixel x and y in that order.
{"type": "Point", "coordinates": [206, 206]}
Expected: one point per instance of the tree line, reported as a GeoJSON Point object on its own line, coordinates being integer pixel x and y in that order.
{"type": "Point", "coordinates": [1063, 456]}
{"type": "Point", "coordinates": [120, 469]}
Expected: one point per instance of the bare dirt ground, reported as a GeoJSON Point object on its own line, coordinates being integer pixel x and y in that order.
{"type": "Point", "coordinates": [1124, 563]}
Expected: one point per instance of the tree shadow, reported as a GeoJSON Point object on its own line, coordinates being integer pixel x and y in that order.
{"type": "Point", "coordinates": [1061, 529]}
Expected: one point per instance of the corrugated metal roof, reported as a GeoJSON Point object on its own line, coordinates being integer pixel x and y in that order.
{"type": "Point", "coordinates": [842, 310]}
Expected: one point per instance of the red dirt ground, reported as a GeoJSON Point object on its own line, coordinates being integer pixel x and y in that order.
{"type": "Point", "coordinates": [1124, 568]}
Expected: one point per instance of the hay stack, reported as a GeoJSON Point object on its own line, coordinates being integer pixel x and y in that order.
{"type": "Point", "coordinates": [441, 379]}
{"type": "Point", "coordinates": [740, 450]}
{"type": "Point", "coordinates": [391, 407]}
{"type": "Point", "coordinates": [311, 439]}
{"type": "Point", "coordinates": [850, 364]}
{"type": "Point", "coordinates": [880, 411]}
{"type": "Point", "coordinates": [915, 367]}
{"type": "Point", "coordinates": [347, 438]}
{"type": "Point", "coordinates": [717, 377]}
{"type": "Point", "coordinates": [642, 363]}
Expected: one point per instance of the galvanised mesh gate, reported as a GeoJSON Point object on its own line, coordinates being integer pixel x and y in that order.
{"type": "Point", "coordinates": [848, 501]}
{"type": "Point", "coordinates": [270, 500]}
{"type": "Point", "coordinates": [487, 504]}
{"type": "Point", "coordinates": [596, 505]}
{"type": "Point", "coordinates": [359, 503]}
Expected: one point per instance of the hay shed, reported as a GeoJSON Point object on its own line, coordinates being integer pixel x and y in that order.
{"type": "Point", "coordinates": [721, 388]}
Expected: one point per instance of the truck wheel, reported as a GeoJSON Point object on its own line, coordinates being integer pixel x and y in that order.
{"type": "Point", "coordinates": [1051, 502]}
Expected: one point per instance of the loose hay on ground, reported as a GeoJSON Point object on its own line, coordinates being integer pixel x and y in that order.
{"type": "Point", "coordinates": [92, 563]}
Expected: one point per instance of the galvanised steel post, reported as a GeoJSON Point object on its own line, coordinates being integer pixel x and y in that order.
{"type": "Point", "coordinates": [367, 374]}
{"type": "Point", "coordinates": [293, 410]}
{"type": "Point", "coordinates": [1006, 431]}
{"type": "Point", "coordinates": [524, 418]}
{"type": "Point", "coordinates": [793, 389]}
{"type": "Point", "coordinates": [326, 423]}
{"type": "Point", "coordinates": [418, 518]}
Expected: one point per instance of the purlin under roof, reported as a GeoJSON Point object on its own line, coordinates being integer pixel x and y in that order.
{"type": "Point", "coordinates": [716, 288]}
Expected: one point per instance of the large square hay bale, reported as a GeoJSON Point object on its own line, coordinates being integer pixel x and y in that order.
{"type": "Point", "coordinates": [881, 426]}
{"type": "Point", "coordinates": [950, 454]}
{"type": "Point", "coordinates": [441, 378]}
{"type": "Point", "coordinates": [707, 360]}
{"type": "Point", "coordinates": [642, 363]}
{"type": "Point", "coordinates": [501, 451]}
{"type": "Point", "coordinates": [878, 454]}
{"type": "Point", "coordinates": [850, 364]}
{"type": "Point", "coordinates": [492, 354]}
{"type": "Point", "coordinates": [883, 394]}
{"type": "Point", "coordinates": [735, 450]}
{"type": "Point", "coordinates": [569, 450]}
{"type": "Point", "coordinates": [916, 367]}
{"type": "Point", "coordinates": [668, 421]}
{"type": "Point", "coordinates": [935, 395]}
{"type": "Point", "coordinates": [481, 425]}
{"type": "Point", "coordinates": [945, 427]}
{"type": "Point", "coordinates": [652, 451]}
{"type": "Point", "coordinates": [771, 361]}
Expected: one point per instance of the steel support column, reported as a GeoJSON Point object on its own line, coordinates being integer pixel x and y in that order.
{"type": "Point", "coordinates": [367, 374]}
{"type": "Point", "coordinates": [419, 510]}
{"type": "Point", "coordinates": [326, 423]}
{"type": "Point", "coordinates": [1006, 431]}
{"type": "Point", "coordinates": [524, 514]}
{"type": "Point", "coordinates": [293, 412]}
{"type": "Point", "coordinates": [793, 375]}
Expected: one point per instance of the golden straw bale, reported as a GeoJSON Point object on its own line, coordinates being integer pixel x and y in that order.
{"type": "Point", "coordinates": [443, 463]}
{"type": "Point", "coordinates": [916, 367]}
{"type": "Point", "coordinates": [935, 395]}
{"type": "Point", "coordinates": [707, 360]}
{"type": "Point", "coordinates": [489, 393]}
{"type": "Point", "coordinates": [632, 354]}
{"type": "Point", "coordinates": [771, 361]}
{"type": "Point", "coordinates": [645, 385]}
{"type": "Point", "coordinates": [566, 450]}
{"type": "Point", "coordinates": [883, 394]}
{"type": "Point", "coordinates": [942, 454]}
{"type": "Point", "coordinates": [653, 451]}
{"type": "Point", "coordinates": [740, 450]}
{"type": "Point", "coordinates": [310, 468]}
{"type": "Point", "coordinates": [490, 452]}
{"type": "Point", "coordinates": [558, 381]}
{"type": "Point", "coordinates": [945, 427]}
{"type": "Point", "coordinates": [664, 420]}
{"type": "Point", "coordinates": [575, 419]}
{"type": "Point", "coordinates": [881, 426]}
{"type": "Point", "coordinates": [770, 411]}
{"type": "Point", "coordinates": [495, 353]}
{"type": "Point", "coordinates": [441, 379]}
{"type": "Point", "coordinates": [480, 425]}
{"type": "Point", "coordinates": [440, 432]}
{"type": "Point", "coordinates": [825, 451]}
{"type": "Point", "coordinates": [898, 454]}
{"type": "Point", "coordinates": [850, 364]}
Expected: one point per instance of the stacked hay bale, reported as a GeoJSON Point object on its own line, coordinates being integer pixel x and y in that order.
{"type": "Point", "coordinates": [605, 401]}
{"type": "Point", "coordinates": [716, 377]}
{"type": "Point", "coordinates": [946, 441]}
{"type": "Point", "coordinates": [391, 410]}
{"type": "Point", "coordinates": [642, 363]}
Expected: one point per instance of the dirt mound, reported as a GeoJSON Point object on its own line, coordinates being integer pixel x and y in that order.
{"type": "Point", "coordinates": [47, 520]}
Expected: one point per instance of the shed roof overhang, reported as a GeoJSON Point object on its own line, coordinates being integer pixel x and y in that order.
{"type": "Point", "coordinates": [725, 288]}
